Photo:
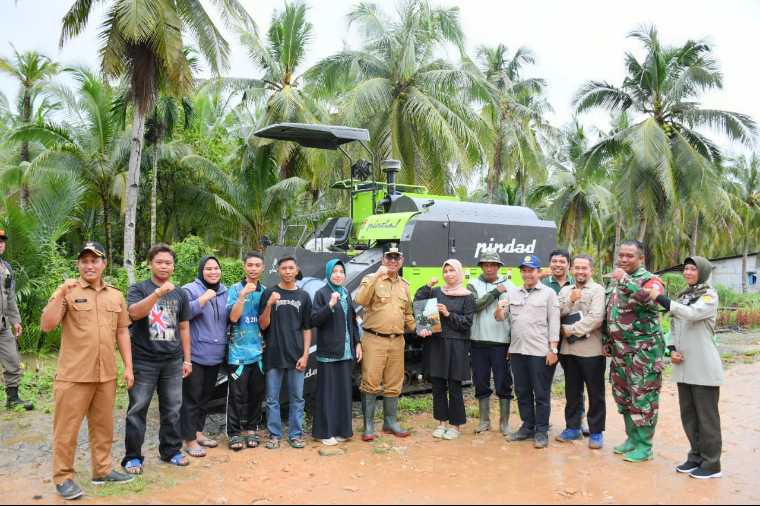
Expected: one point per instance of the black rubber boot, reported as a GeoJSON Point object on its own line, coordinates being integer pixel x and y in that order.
{"type": "Point", "coordinates": [368, 409]}
{"type": "Point", "coordinates": [390, 423]}
{"type": "Point", "coordinates": [504, 416]}
{"type": "Point", "coordinates": [485, 415]}
{"type": "Point", "coordinates": [13, 401]}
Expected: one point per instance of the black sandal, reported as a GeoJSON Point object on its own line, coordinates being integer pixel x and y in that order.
{"type": "Point", "coordinates": [236, 443]}
{"type": "Point", "coordinates": [252, 441]}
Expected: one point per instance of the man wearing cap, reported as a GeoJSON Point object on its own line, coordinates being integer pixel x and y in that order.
{"type": "Point", "coordinates": [387, 314]}
{"type": "Point", "coordinates": [94, 318]}
{"type": "Point", "coordinates": [533, 313]}
{"type": "Point", "coordinates": [10, 331]}
{"type": "Point", "coordinates": [490, 342]}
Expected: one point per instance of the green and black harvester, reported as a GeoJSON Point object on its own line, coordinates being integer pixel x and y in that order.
{"type": "Point", "coordinates": [429, 229]}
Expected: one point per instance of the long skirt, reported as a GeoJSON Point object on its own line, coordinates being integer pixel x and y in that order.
{"type": "Point", "coordinates": [334, 400]}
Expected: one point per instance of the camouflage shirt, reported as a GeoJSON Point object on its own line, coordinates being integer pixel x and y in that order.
{"type": "Point", "coordinates": [633, 321]}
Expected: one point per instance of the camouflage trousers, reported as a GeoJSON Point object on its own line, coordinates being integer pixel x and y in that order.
{"type": "Point", "coordinates": [636, 380]}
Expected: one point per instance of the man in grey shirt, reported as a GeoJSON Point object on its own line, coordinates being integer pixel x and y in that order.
{"type": "Point", "coordinates": [533, 313]}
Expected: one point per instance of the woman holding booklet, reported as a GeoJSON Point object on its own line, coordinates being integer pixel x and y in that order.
{"type": "Point", "coordinates": [446, 352]}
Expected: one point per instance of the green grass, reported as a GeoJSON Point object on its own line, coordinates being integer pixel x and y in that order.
{"type": "Point", "coordinates": [139, 485]}
{"type": "Point", "coordinates": [415, 405]}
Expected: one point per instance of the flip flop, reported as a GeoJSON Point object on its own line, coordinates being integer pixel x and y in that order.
{"type": "Point", "coordinates": [208, 443]}
{"type": "Point", "coordinates": [178, 460]}
{"type": "Point", "coordinates": [133, 467]}
{"type": "Point", "coordinates": [196, 452]}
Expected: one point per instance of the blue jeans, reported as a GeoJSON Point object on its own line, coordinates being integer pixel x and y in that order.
{"type": "Point", "coordinates": [295, 401]}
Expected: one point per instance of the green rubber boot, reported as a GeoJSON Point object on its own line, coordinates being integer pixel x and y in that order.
{"type": "Point", "coordinates": [630, 442]}
{"type": "Point", "coordinates": [643, 451]}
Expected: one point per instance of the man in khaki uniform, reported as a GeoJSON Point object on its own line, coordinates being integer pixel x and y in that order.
{"type": "Point", "coordinates": [10, 331]}
{"type": "Point", "coordinates": [94, 317]}
{"type": "Point", "coordinates": [582, 306]}
{"type": "Point", "coordinates": [387, 314]}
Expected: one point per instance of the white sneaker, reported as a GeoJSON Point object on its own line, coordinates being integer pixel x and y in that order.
{"type": "Point", "coordinates": [340, 439]}
{"type": "Point", "coordinates": [330, 442]}
{"type": "Point", "coordinates": [450, 434]}
{"type": "Point", "coordinates": [440, 432]}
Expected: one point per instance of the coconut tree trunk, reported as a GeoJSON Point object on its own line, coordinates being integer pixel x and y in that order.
{"type": "Point", "coordinates": [618, 235]}
{"type": "Point", "coordinates": [26, 118]}
{"type": "Point", "coordinates": [695, 236]}
{"type": "Point", "coordinates": [133, 187]}
{"type": "Point", "coordinates": [494, 176]}
{"type": "Point", "coordinates": [107, 226]}
{"type": "Point", "coordinates": [642, 226]}
{"type": "Point", "coordinates": [154, 195]}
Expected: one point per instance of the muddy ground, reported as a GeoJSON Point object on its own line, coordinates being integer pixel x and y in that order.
{"type": "Point", "coordinates": [474, 469]}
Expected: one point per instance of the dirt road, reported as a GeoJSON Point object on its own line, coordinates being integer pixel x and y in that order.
{"type": "Point", "coordinates": [473, 469]}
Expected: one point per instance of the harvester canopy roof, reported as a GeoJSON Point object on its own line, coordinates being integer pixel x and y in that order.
{"type": "Point", "coordinates": [314, 136]}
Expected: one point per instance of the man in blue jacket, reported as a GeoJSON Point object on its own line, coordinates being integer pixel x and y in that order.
{"type": "Point", "coordinates": [245, 358]}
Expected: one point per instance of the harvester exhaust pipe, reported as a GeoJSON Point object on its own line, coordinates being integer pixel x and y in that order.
{"type": "Point", "coordinates": [391, 168]}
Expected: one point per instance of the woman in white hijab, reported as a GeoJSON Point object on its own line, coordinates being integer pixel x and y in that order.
{"type": "Point", "coordinates": [446, 352]}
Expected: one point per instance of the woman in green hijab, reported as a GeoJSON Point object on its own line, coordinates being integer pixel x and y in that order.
{"type": "Point", "coordinates": [338, 346]}
{"type": "Point", "coordinates": [697, 367]}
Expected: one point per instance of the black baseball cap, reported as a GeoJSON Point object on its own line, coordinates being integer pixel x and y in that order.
{"type": "Point", "coordinates": [93, 247]}
{"type": "Point", "coordinates": [392, 249]}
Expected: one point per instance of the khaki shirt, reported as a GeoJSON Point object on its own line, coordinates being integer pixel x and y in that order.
{"type": "Point", "coordinates": [592, 305]}
{"type": "Point", "coordinates": [387, 305]}
{"type": "Point", "coordinates": [534, 318]}
{"type": "Point", "coordinates": [90, 320]}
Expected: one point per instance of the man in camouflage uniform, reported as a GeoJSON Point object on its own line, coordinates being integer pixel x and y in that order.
{"type": "Point", "coordinates": [635, 342]}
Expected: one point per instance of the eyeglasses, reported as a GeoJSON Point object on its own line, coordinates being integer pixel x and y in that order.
{"type": "Point", "coordinates": [393, 258]}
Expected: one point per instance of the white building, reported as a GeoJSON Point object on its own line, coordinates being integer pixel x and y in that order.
{"type": "Point", "coordinates": [728, 272]}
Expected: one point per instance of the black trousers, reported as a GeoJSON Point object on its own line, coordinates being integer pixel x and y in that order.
{"type": "Point", "coordinates": [490, 359]}
{"type": "Point", "coordinates": [588, 372]}
{"type": "Point", "coordinates": [701, 422]}
{"type": "Point", "coordinates": [533, 388]}
{"type": "Point", "coordinates": [196, 393]}
{"type": "Point", "coordinates": [245, 397]}
{"type": "Point", "coordinates": [448, 401]}
{"type": "Point", "coordinates": [151, 377]}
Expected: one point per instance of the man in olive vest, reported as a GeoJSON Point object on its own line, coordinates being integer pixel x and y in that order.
{"type": "Point", "coordinates": [10, 332]}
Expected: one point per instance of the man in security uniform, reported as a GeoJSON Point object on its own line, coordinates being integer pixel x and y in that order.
{"type": "Point", "coordinates": [387, 314]}
{"type": "Point", "coordinates": [10, 331]}
{"type": "Point", "coordinates": [635, 342]}
{"type": "Point", "coordinates": [94, 317]}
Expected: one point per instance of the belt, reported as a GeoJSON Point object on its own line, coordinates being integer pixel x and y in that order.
{"type": "Point", "coordinates": [380, 334]}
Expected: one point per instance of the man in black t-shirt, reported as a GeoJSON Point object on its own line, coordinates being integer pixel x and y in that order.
{"type": "Point", "coordinates": [284, 316]}
{"type": "Point", "coordinates": [160, 335]}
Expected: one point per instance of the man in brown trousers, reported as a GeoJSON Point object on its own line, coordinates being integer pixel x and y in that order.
{"type": "Point", "coordinates": [387, 314]}
{"type": "Point", "coordinates": [94, 317]}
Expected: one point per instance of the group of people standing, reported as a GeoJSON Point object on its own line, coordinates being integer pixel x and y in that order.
{"type": "Point", "coordinates": [174, 341]}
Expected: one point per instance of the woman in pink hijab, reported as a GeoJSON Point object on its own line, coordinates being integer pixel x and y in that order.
{"type": "Point", "coordinates": [446, 352]}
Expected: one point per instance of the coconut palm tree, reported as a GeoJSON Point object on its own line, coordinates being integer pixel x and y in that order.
{"type": "Point", "coordinates": [513, 117]}
{"type": "Point", "coordinates": [33, 71]}
{"type": "Point", "coordinates": [579, 199]}
{"type": "Point", "coordinates": [744, 185]}
{"type": "Point", "coordinates": [279, 95]}
{"type": "Point", "coordinates": [143, 43]}
{"type": "Point", "coordinates": [88, 145]}
{"type": "Point", "coordinates": [664, 143]}
{"type": "Point", "coordinates": [414, 103]}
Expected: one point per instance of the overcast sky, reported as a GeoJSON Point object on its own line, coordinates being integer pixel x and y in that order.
{"type": "Point", "coordinates": [574, 41]}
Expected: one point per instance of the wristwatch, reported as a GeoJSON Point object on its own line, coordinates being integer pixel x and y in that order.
{"type": "Point", "coordinates": [554, 350]}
